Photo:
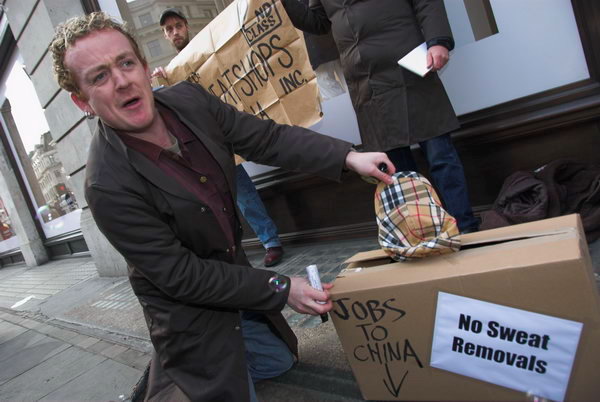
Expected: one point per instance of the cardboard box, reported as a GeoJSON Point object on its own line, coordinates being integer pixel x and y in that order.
{"type": "Point", "coordinates": [253, 58]}
{"type": "Point", "coordinates": [518, 306]}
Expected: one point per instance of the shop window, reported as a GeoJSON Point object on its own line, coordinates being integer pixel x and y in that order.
{"type": "Point", "coordinates": [138, 13]}
{"type": "Point", "coordinates": [146, 19]}
{"type": "Point", "coordinates": [154, 48]}
{"type": "Point", "coordinates": [35, 150]}
{"type": "Point", "coordinates": [8, 237]}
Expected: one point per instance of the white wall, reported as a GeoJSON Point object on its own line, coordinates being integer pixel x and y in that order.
{"type": "Point", "coordinates": [537, 47]}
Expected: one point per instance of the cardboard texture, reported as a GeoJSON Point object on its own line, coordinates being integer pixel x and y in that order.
{"type": "Point", "coordinates": [253, 58]}
{"type": "Point", "coordinates": [384, 313]}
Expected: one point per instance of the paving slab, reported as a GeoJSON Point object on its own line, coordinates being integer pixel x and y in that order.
{"type": "Point", "coordinates": [43, 281]}
{"type": "Point", "coordinates": [104, 382]}
{"type": "Point", "coordinates": [10, 331]}
{"type": "Point", "coordinates": [30, 356]}
{"type": "Point", "coordinates": [19, 343]}
{"type": "Point", "coordinates": [133, 358]}
{"type": "Point", "coordinates": [87, 342]}
{"type": "Point", "coordinates": [107, 304]}
{"type": "Point", "coordinates": [113, 351]}
{"type": "Point", "coordinates": [62, 334]}
{"type": "Point", "coordinates": [99, 347]}
{"type": "Point", "coordinates": [31, 324]}
{"type": "Point", "coordinates": [50, 375]}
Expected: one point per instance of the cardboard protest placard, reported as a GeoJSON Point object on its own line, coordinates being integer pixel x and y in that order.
{"type": "Point", "coordinates": [252, 57]}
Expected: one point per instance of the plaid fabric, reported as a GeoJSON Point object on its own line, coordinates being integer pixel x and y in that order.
{"type": "Point", "coordinates": [411, 220]}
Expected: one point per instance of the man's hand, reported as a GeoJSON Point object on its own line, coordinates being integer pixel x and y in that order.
{"type": "Point", "coordinates": [302, 297]}
{"type": "Point", "coordinates": [159, 72]}
{"type": "Point", "coordinates": [367, 164]}
{"type": "Point", "coordinates": [437, 57]}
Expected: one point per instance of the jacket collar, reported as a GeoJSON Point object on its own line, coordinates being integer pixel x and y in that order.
{"type": "Point", "coordinates": [152, 172]}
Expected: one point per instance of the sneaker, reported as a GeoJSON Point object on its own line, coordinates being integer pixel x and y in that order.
{"type": "Point", "coordinates": [273, 256]}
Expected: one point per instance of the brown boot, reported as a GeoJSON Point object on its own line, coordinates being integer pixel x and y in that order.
{"type": "Point", "coordinates": [273, 256]}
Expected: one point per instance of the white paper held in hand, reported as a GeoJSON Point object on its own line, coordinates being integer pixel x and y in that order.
{"type": "Point", "coordinates": [416, 60]}
{"type": "Point", "coordinates": [315, 281]}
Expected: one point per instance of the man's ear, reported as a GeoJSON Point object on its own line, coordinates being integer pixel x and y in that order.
{"type": "Point", "coordinates": [81, 103]}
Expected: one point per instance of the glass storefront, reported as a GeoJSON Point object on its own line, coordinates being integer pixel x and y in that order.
{"type": "Point", "coordinates": [34, 148]}
{"type": "Point", "coordinates": [8, 238]}
{"type": "Point", "coordinates": [142, 17]}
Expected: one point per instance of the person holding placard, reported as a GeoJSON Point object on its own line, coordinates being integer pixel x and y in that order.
{"type": "Point", "coordinates": [176, 30]}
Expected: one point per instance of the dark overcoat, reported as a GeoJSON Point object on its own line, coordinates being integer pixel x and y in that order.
{"type": "Point", "coordinates": [190, 282]}
{"type": "Point", "coordinates": [394, 106]}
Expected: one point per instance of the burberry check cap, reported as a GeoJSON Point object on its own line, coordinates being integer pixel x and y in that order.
{"type": "Point", "coordinates": [411, 220]}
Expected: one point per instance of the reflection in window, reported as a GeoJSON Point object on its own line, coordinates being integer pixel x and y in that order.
{"type": "Point", "coordinates": [35, 149]}
{"type": "Point", "coordinates": [154, 48]}
{"type": "Point", "coordinates": [50, 174]}
{"type": "Point", "coordinates": [8, 238]}
{"type": "Point", "coordinates": [6, 229]}
{"type": "Point", "coordinates": [145, 14]}
{"type": "Point", "coordinates": [146, 19]}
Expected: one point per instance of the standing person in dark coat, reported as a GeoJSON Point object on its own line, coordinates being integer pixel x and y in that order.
{"type": "Point", "coordinates": [160, 183]}
{"type": "Point", "coordinates": [395, 107]}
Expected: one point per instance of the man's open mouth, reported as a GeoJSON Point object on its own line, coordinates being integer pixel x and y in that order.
{"type": "Point", "coordinates": [131, 102]}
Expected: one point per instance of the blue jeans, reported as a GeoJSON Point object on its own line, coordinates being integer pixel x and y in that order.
{"type": "Point", "coordinates": [254, 211]}
{"type": "Point", "coordinates": [267, 356]}
{"type": "Point", "coordinates": [447, 173]}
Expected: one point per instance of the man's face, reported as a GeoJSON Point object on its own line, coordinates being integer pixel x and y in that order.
{"type": "Point", "coordinates": [114, 84]}
{"type": "Point", "coordinates": [176, 32]}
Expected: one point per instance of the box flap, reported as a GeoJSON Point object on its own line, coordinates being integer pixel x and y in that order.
{"type": "Point", "coordinates": [546, 227]}
{"type": "Point", "coordinates": [543, 227]}
{"type": "Point", "coordinates": [540, 250]}
{"type": "Point", "coordinates": [367, 256]}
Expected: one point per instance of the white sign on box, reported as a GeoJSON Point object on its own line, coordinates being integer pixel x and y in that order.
{"type": "Point", "coordinates": [514, 348]}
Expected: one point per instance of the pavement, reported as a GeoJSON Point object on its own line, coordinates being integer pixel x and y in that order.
{"type": "Point", "coordinates": [67, 334]}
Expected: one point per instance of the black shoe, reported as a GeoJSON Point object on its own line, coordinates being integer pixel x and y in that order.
{"type": "Point", "coordinates": [273, 256]}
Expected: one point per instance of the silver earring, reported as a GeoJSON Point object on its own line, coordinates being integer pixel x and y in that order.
{"type": "Point", "coordinates": [88, 114]}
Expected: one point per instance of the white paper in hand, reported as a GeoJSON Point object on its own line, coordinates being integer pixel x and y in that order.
{"type": "Point", "coordinates": [416, 60]}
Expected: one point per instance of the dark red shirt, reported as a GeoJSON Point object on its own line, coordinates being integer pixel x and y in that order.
{"type": "Point", "coordinates": [196, 170]}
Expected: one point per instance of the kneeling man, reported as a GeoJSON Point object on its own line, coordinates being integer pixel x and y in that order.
{"type": "Point", "coordinates": [160, 183]}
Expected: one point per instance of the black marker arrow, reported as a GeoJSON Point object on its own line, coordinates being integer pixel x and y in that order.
{"type": "Point", "coordinates": [395, 391]}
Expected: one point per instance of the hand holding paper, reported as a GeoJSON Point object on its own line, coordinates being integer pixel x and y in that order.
{"type": "Point", "coordinates": [416, 60]}
{"type": "Point", "coordinates": [437, 57]}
